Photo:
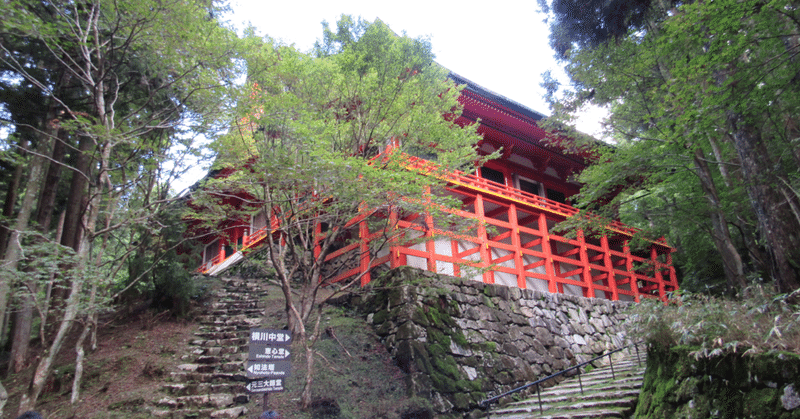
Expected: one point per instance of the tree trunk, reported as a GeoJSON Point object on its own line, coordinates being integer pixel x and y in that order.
{"type": "Point", "coordinates": [29, 398]}
{"type": "Point", "coordinates": [72, 308]}
{"type": "Point", "coordinates": [776, 223]}
{"type": "Point", "coordinates": [77, 192]}
{"type": "Point", "coordinates": [3, 398]}
{"type": "Point", "coordinates": [731, 260]}
{"type": "Point", "coordinates": [14, 249]}
{"type": "Point", "coordinates": [23, 320]}
{"type": "Point", "coordinates": [47, 200]}
{"type": "Point", "coordinates": [12, 194]}
{"type": "Point", "coordinates": [76, 382]}
{"type": "Point", "coordinates": [73, 229]}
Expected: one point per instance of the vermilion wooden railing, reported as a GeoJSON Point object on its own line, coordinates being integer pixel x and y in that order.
{"type": "Point", "coordinates": [521, 247]}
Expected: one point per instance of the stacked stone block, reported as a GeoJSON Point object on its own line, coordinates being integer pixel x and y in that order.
{"type": "Point", "coordinates": [461, 341]}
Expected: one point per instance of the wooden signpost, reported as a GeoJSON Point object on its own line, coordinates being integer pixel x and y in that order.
{"type": "Point", "coordinates": [268, 363]}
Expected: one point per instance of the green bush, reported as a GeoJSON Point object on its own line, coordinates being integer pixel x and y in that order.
{"type": "Point", "coordinates": [760, 321]}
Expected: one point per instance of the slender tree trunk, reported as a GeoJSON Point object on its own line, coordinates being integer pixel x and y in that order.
{"type": "Point", "coordinates": [731, 260]}
{"type": "Point", "coordinates": [80, 353]}
{"type": "Point", "coordinates": [47, 200]}
{"type": "Point", "coordinates": [73, 229]}
{"type": "Point", "coordinates": [12, 194]}
{"type": "Point", "coordinates": [77, 192]}
{"type": "Point", "coordinates": [29, 398]}
{"type": "Point", "coordinates": [23, 320]}
{"type": "Point", "coordinates": [3, 398]}
{"type": "Point", "coordinates": [72, 307]}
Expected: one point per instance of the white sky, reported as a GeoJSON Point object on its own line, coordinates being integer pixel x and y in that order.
{"type": "Point", "coordinates": [501, 44]}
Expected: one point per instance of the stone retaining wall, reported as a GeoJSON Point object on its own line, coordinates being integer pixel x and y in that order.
{"type": "Point", "coordinates": [461, 341]}
{"type": "Point", "coordinates": [679, 385]}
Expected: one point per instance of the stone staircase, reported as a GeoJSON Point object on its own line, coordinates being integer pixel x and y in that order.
{"type": "Point", "coordinates": [603, 396]}
{"type": "Point", "coordinates": [212, 382]}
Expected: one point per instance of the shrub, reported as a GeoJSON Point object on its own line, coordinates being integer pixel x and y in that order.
{"type": "Point", "coordinates": [760, 321]}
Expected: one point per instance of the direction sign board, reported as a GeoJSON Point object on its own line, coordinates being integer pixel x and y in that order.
{"type": "Point", "coordinates": [261, 352]}
{"type": "Point", "coordinates": [269, 385]}
{"type": "Point", "coordinates": [268, 360]}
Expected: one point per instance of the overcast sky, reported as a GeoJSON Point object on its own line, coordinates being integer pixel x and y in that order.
{"type": "Point", "coordinates": [499, 44]}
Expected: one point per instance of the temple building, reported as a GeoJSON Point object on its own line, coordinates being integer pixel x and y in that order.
{"type": "Point", "coordinates": [518, 198]}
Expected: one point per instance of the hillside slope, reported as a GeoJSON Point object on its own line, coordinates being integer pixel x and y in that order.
{"type": "Point", "coordinates": [137, 353]}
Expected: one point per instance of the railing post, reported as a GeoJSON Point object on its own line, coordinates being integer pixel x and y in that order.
{"type": "Point", "coordinates": [611, 364]}
{"type": "Point", "coordinates": [639, 360]}
{"type": "Point", "coordinates": [580, 382]}
{"type": "Point", "coordinates": [539, 395]}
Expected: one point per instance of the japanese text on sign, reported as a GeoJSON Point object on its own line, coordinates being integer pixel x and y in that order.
{"type": "Point", "coordinates": [268, 369]}
{"type": "Point", "coordinates": [268, 353]}
{"type": "Point", "coordinates": [270, 336]}
{"type": "Point", "coordinates": [265, 386]}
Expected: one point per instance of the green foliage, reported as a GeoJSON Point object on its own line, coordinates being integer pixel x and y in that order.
{"type": "Point", "coordinates": [163, 264]}
{"type": "Point", "coordinates": [761, 321]}
{"type": "Point", "coordinates": [695, 91]}
{"type": "Point", "coordinates": [304, 154]}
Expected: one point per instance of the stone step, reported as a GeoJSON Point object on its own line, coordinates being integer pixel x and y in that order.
{"type": "Point", "coordinates": [237, 342]}
{"type": "Point", "coordinates": [232, 303]}
{"type": "Point", "coordinates": [226, 367]}
{"type": "Point", "coordinates": [216, 400]}
{"type": "Point", "coordinates": [231, 412]}
{"type": "Point", "coordinates": [225, 328]}
{"type": "Point", "coordinates": [237, 320]}
{"type": "Point", "coordinates": [575, 414]}
{"type": "Point", "coordinates": [590, 381]}
{"type": "Point", "coordinates": [219, 335]}
{"type": "Point", "coordinates": [244, 289]}
{"type": "Point", "coordinates": [603, 395]}
{"type": "Point", "coordinates": [218, 350]}
{"type": "Point", "coordinates": [596, 400]}
{"type": "Point", "coordinates": [237, 358]}
{"type": "Point", "coordinates": [191, 389]}
{"type": "Point", "coordinates": [216, 377]}
{"type": "Point", "coordinates": [574, 390]}
{"type": "Point", "coordinates": [234, 311]}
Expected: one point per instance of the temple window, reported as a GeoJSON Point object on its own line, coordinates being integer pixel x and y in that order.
{"type": "Point", "coordinates": [493, 175]}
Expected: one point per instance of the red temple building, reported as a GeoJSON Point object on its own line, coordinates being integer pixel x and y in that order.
{"type": "Point", "coordinates": [519, 198]}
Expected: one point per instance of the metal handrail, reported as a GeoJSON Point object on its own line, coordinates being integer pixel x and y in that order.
{"type": "Point", "coordinates": [485, 404]}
